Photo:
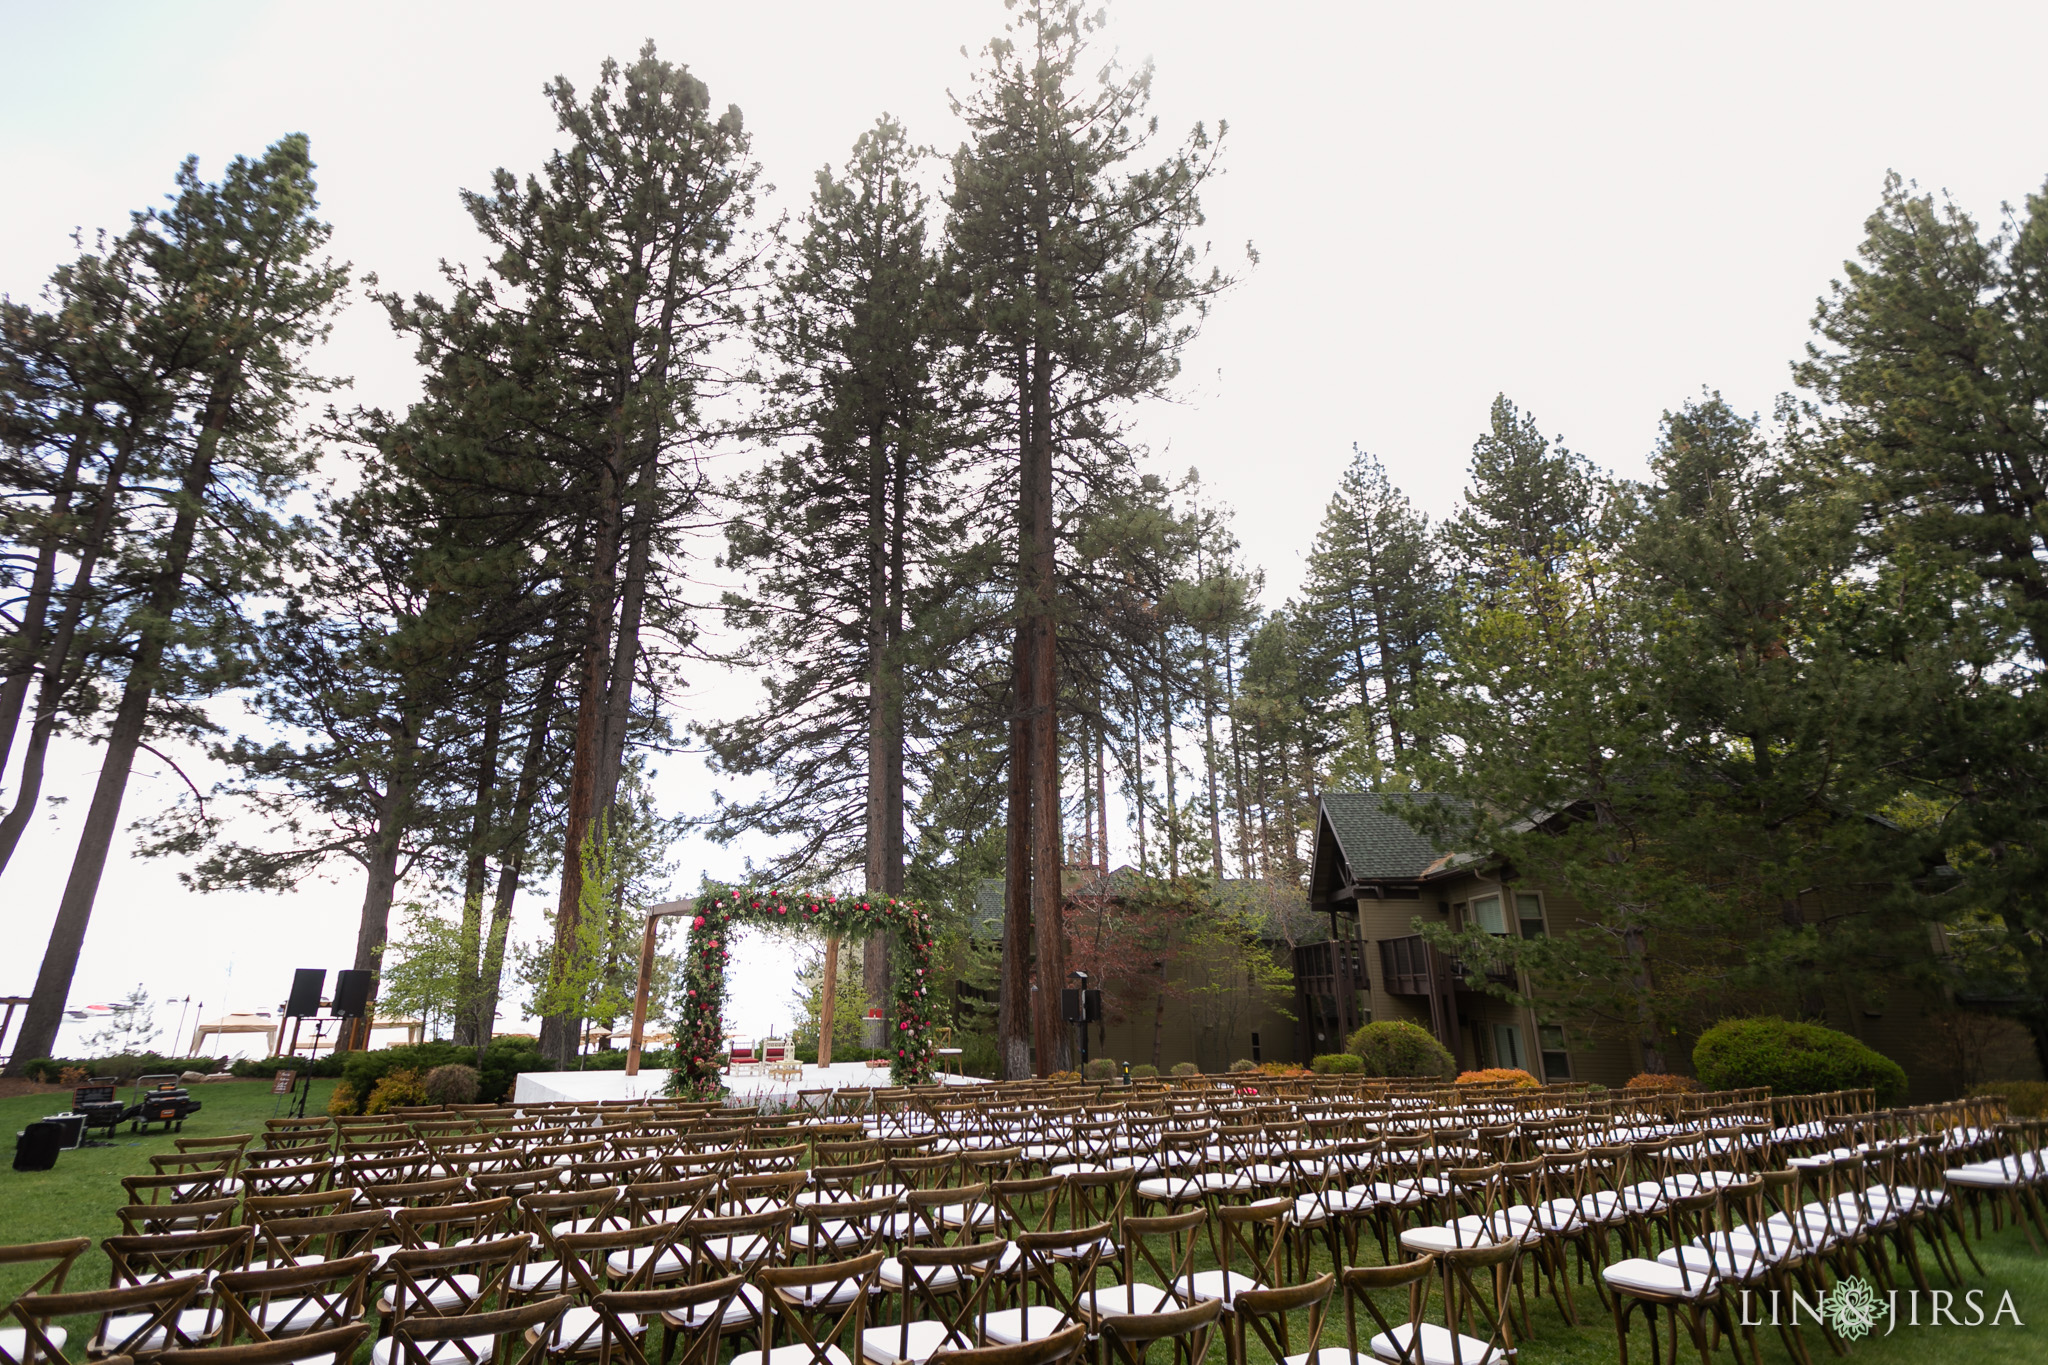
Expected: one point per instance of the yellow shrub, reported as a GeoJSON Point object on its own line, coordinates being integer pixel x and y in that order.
{"type": "Point", "coordinates": [395, 1088]}
{"type": "Point", "coordinates": [1512, 1076]}
{"type": "Point", "coordinates": [1661, 1083]}
{"type": "Point", "coordinates": [344, 1099]}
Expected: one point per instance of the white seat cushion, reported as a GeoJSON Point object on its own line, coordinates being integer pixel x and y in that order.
{"type": "Point", "coordinates": [536, 1276]}
{"type": "Point", "coordinates": [1655, 1277]}
{"type": "Point", "coordinates": [1436, 1239]}
{"type": "Point", "coordinates": [1170, 1187]}
{"type": "Point", "coordinates": [1721, 1258]}
{"type": "Point", "coordinates": [798, 1354]}
{"type": "Point", "coordinates": [932, 1276]}
{"type": "Point", "coordinates": [1012, 1325]}
{"type": "Point", "coordinates": [385, 1351]}
{"type": "Point", "coordinates": [1127, 1300]}
{"type": "Point", "coordinates": [582, 1329]}
{"type": "Point", "coordinates": [1438, 1346]}
{"type": "Point", "coordinates": [743, 1250]}
{"type": "Point", "coordinates": [1331, 1355]}
{"type": "Point", "coordinates": [886, 1346]}
{"type": "Point", "coordinates": [1220, 1284]}
{"type": "Point", "coordinates": [446, 1291]}
{"type": "Point", "coordinates": [197, 1324]}
{"type": "Point", "coordinates": [673, 1260]}
{"type": "Point", "coordinates": [744, 1308]}
{"type": "Point", "coordinates": [14, 1340]}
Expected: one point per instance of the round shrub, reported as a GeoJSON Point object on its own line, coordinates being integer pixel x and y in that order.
{"type": "Point", "coordinates": [1336, 1064]}
{"type": "Point", "coordinates": [1511, 1076]}
{"type": "Point", "coordinates": [1244, 1064]}
{"type": "Point", "coordinates": [1098, 1069]}
{"type": "Point", "coordinates": [1661, 1083]}
{"type": "Point", "coordinates": [1792, 1059]}
{"type": "Point", "coordinates": [452, 1083]}
{"type": "Point", "coordinates": [344, 1100]}
{"type": "Point", "coordinates": [1144, 1072]}
{"type": "Point", "coordinates": [1395, 1047]}
{"type": "Point", "coordinates": [1186, 1069]}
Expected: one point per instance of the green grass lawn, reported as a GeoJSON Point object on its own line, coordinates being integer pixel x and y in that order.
{"type": "Point", "coordinates": [79, 1195]}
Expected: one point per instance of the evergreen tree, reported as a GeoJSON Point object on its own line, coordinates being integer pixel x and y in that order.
{"type": "Point", "coordinates": [1930, 369]}
{"type": "Point", "coordinates": [1370, 607]}
{"type": "Point", "coordinates": [1527, 501]}
{"type": "Point", "coordinates": [619, 269]}
{"type": "Point", "coordinates": [1076, 268]}
{"type": "Point", "coordinates": [839, 540]}
{"type": "Point", "coordinates": [238, 290]}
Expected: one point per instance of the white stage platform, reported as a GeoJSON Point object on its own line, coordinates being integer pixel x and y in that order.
{"type": "Point", "coordinates": [589, 1087]}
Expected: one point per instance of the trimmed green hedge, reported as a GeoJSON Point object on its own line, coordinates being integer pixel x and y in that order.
{"type": "Point", "coordinates": [1395, 1047]}
{"type": "Point", "coordinates": [1792, 1059]}
{"type": "Point", "coordinates": [1337, 1064]}
{"type": "Point", "coordinates": [124, 1068]}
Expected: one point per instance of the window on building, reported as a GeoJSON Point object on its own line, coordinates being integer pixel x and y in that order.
{"type": "Point", "coordinates": [1486, 913]}
{"type": "Point", "coordinates": [1507, 1046]}
{"type": "Point", "coordinates": [1529, 909]}
{"type": "Point", "coordinates": [1255, 1046]}
{"type": "Point", "coordinates": [1557, 1063]}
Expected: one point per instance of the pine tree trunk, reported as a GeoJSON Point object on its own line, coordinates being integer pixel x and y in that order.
{"type": "Point", "coordinates": [885, 697]}
{"type": "Point", "coordinates": [559, 1029]}
{"type": "Point", "coordinates": [61, 672]}
{"type": "Point", "coordinates": [475, 869]}
{"type": "Point", "coordinates": [380, 887]}
{"type": "Point", "coordinates": [1044, 739]}
{"type": "Point", "coordinates": [1015, 1017]}
{"type": "Point", "coordinates": [24, 650]}
{"type": "Point", "coordinates": [74, 909]}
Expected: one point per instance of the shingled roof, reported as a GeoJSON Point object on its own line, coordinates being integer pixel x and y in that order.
{"type": "Point", "coordinates": [1377, 844]}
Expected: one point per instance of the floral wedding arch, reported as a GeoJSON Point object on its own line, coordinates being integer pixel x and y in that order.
{"type": "Point", "coordinates": [700, 1026]}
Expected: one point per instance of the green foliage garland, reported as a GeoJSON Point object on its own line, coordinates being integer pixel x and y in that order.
{"type": "Point", "coordinates": [700, 1031]}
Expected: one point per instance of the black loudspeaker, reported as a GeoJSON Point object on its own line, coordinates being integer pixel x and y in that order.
{"type": "Point", "coordinates": [1091, 1006]}
{"type": "Point", "coordinates": [1080, 1007]}
{"type": "Point", "coordinates": [351, 994]}
{"type": "Point", "coordinates": [37, 1147]}
{"type": "Point", "coordinates": [307, 983]}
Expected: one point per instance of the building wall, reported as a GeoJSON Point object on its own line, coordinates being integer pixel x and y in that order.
{"type": "Point", "coordinates": [1209, 1035]}
{"type": "Point", "coordinates": [1941, 1050]}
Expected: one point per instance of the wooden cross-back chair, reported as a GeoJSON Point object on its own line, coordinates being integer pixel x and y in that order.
{"type": "Point", "coordinates": [797, 1298]}
{"type": "Point", "coordinates": [1267, 1317]}
{"type": "Point", "coordinates": [131, 1319]}
{"type": "Point", "coordinates": [1129, 1339]}
{"type": "Point", "coordinates": [292, 1300]}
{"type": "Point", "coordinates": [1056, 1267]}
{"type": "Point", "coordinates": [473, 1338]}
{"type": "Point", "coordinates": [314, 1238]}
{"type": "Point", "coordinates": [335, 1346]}
{"type": "Point", "coordinates": [944, 1295]}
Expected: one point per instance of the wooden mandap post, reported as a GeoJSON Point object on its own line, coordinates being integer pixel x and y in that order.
{"type": "Point", "coordinates": [659, 912]}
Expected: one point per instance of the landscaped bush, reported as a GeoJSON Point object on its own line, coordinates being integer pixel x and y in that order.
{"type": "Point", "coordinates": [1064, 1076]}
{"type": "Point", "coordinates": [1244, 1064]}
{"type": "Point", "coordinates": [1186, 1069]}
{"type": "Point", "coordinates": [1144, 1071]}
{"type": "Point", "coordinates": [504, 1059]}
{"type": "Point", "coordinates": [452, 1084]}
{"type": "Point", "coordinates": [344, 1100]}
{"type": "Point", "coordinates": [1283, 1069]}
{"type": "Point", "coordinates": [123, 1068]}
{"type": "Point", "coordinates": [1337, 1064]}
{"type": "Point", "coordinates": [1512, 1076]}
{"type": "Point", "coordinates": [1662, 1083]}
{"type": "Point", "coordinates": [394, 1089]}
{"type": "Point", "coordinates": [2023, 1099]}
{"type": "Point", "coordinates": [1792, 1059]}
{"type": "Point", "coordinates": [1395, 1047]}
{"type": "Point", "coordinates": [265, 1068]}
{"type": "Point", "coordinates": [1099, 1069]}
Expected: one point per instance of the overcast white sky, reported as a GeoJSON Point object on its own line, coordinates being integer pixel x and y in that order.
{"type": "Point", "coordinates": [1596, 209]}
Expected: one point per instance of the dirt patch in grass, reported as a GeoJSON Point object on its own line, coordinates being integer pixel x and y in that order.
{"type": "Point", "coordinates": [10, 1088]}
